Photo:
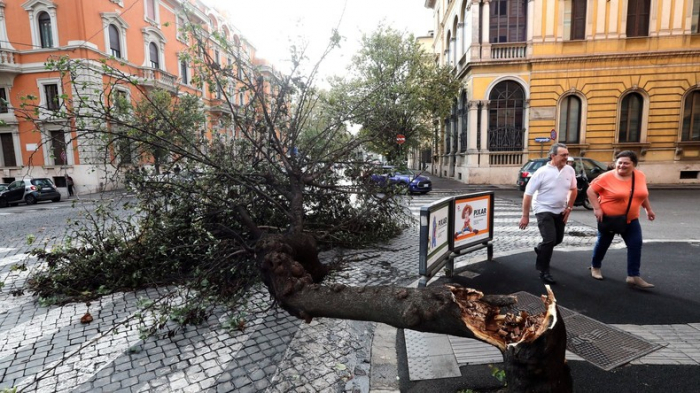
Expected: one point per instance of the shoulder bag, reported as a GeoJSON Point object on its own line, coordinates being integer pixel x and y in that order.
{"type": "Point", "coordinates": [616, 224]}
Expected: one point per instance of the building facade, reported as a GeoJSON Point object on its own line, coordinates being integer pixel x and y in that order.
{"type": "Point", "coordinates": [599, 75]}
{"type": "Point", "coordinates": [144, 38]}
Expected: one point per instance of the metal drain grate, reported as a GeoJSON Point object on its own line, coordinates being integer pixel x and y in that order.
{"type": "Point", "coordinates": [604, 346]}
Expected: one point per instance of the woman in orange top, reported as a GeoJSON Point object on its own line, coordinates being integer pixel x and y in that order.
{"type": "Point", "coordinates": [609, 194]}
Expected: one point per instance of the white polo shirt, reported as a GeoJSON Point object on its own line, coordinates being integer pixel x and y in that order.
{"type": "Point", "coordinates": [550, 187]}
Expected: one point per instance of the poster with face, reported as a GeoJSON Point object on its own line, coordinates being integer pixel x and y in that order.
{"type": "Point", "coordinates": [472, 218]}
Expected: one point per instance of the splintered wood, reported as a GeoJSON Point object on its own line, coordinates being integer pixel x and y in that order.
{"type": "Point", "coordinates": [488, 324]}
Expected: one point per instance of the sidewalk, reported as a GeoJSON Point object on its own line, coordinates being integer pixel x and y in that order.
{"type": "Point", "coordinates": [634, 340]}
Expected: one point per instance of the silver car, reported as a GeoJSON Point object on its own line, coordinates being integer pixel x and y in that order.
{"type": "Point", "coordinates": [29, 191]}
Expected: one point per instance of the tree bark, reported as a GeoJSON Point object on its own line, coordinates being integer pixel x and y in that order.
{"type": "Point", "coordinates": [533, 345]}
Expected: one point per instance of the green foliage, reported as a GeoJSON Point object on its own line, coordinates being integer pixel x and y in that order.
{"type": "Point", "coordinates": [498, 373]}
{"type": "Point", "coordinates": [204, 198]}
{"type": "Point", "coordinates": [396, 89]}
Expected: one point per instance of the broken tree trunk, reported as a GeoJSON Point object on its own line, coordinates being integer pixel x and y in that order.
{"type": "Point", "coordinates": [533, 346]}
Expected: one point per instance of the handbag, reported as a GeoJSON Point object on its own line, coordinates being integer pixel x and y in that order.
{"type": "Point", "coordinates": [616, 224]}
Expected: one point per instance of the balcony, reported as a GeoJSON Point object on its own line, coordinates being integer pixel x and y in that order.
{"type": "Point", "coordinates": [9, 61]}
{"type": "Point", "coordinates": [156, 78]}
{"type": "Point", "coordinates": [508, 50]}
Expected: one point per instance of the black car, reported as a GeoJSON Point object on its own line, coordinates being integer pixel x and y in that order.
{"type": "Point", "coordinates": [591, 168]}
{"type": "Point", "coordinates": [29, 191]}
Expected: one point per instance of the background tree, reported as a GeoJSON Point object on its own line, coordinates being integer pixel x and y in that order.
{"type": "Point", "coordinates": [256, 205]}
{"type": "Point", "coordinates": [397, 89]}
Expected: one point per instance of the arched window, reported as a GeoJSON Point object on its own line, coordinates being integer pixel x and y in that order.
{"type": "Point", "coordinates": [691, 117]}
{"type": "Point", "coordinates": [45, 33]}
{"type": "Point", "coordinates": [638, 18]}
{"type": "Point", "coordinates": [507, 100]}
{"type": "Point", "coordinates": [570, 119]}
{"type": "Point", "coordinates": [153, 55]}
{"type": "Point", "coordinates": [631, 118]}
{"type": "Point", "coordinates": [114, 42]}
{"type": "Point", "coordinates": [508, 21]}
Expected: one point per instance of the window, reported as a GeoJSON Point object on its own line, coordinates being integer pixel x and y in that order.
{"type": "Point", "coordinates": [631, 118]}
{"type": "Point", "coordinates": [578, 19]}
{"type": "Point", "coordinates": [45, 32]}
{"type": "Point", "coordinates": [508, 21]}
{"type": "Point", "coordinates": [465, 121]}
{"type": "Point", "coordinates": [505, 132]}
{"type": "Point", "coordinates": [58, 147]}
{"type": "Point", "coordinates": [184, 72]}
{"type": "Point", "coordinates": [570, 119]}
{"type": "Point", "coordinates": [638, 18]}
{"type": "Point", "coordinates": [696, 16]}
{"type": "Point", "coordinates": [153, 55]}
{"type": "Point", "coordinates": [53, 101]}
{"type": "Point", "coordinates": [691, 117]}
{"type": "Point", "coordinates": [8, 150]}
{"type": "Point", "coordinates": [3, 101]}
{"type": "Point", "coordinates": [151, 9]}
{"type": "Point", "coordinates": [114, 42]}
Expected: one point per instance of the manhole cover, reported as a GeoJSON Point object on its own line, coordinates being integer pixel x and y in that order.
{"type": "Point", "coordinates": [602, 345]}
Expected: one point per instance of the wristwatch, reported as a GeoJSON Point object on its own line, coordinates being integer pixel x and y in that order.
{"type": "Point", "coordinates": [569, 208]}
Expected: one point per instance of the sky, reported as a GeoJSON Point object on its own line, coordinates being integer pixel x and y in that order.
{"type": "Point", "coordinates": [270, 24]}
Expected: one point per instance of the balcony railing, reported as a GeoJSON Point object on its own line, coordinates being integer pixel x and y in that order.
{"type": "Point", "coordinates": [508, 50]}
{"type": "Point", "coordinates": [9, 60]}
{"type": "Point", "coordinates": [157, 78]}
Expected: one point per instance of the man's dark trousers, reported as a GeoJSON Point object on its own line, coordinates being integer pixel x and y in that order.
{"type": "Point", "coordinates": [552, 230]}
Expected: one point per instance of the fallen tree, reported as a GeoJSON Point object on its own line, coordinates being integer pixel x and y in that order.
{"type": "Point", "coordinates": [223, 212]}
{"type": "Point", "coordinates": [533, 346]}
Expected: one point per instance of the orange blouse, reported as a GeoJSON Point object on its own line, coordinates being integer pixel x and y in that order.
{"type": "Point", "coordinates": [614, 194]}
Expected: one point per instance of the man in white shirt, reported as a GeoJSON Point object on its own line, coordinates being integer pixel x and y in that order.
{"type": "Point", "coordinates": [553, 190]}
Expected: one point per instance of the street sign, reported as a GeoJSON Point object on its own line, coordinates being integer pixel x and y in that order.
{"type": "Point", "coordinates": [542, 140]}
{"type": "Point", "coordinates": [400, 139]}
{"type": "Point", "coordinates": [553, 134]}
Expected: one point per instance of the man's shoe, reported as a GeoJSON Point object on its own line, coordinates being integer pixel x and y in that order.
{"type": "Point", "coordinates": [637, 281]}
{"type": "Point", "coordinates": [595, 273]}
{"type": "Point", "coordinates": [547, 278]}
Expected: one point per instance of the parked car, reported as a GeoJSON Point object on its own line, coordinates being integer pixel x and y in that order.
{"type": "Point", "coordinates": [3, 187]}
{"type": "Point", "coordinates": [415, 181]}
{"type": "Point", "coordinates": [590, 167]}
{"type": "Point", "coordinates": [29, 191]}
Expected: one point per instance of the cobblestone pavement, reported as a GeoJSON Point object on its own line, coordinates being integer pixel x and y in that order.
{"type": "Point", "coordinates": [47, 349]}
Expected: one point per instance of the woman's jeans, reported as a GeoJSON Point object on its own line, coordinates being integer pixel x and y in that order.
{"type": "Point", "coordinates": [633, 240]}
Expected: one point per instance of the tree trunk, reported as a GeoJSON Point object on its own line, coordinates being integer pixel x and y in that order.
{"type": "Point", "coordinates": [533, 345]}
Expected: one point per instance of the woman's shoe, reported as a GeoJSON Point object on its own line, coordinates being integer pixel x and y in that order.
{"type": "Point", "coordinates": [595, 273]}
{"type": "Point", "coordinates": [637, 281]}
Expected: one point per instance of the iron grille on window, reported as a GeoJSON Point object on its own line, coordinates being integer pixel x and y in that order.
{"type": "Point", "coordinates": [506, 117]}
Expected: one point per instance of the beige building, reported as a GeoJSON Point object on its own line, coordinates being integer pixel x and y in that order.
{"type": "Point", "coordinates": [599, 75]}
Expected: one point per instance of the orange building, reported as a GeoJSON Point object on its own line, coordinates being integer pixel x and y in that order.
{"type": "Point", "coordinates": [143, 34]}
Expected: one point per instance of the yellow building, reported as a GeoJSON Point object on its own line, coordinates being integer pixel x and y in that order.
{"type": "Point", "coordinates": [143, 38]}
{"type": "Point", "coordinates": [599, 75]}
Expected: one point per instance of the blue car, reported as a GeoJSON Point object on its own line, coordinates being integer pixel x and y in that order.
{"type": "Point", "coordinates": [415, 181]}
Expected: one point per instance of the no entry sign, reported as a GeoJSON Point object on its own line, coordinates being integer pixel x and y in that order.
{"type": "Point", "coordinates": [400, 139]}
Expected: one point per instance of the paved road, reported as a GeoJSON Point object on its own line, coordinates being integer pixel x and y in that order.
{"type": "Point", "coordinates": [46, 349]}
